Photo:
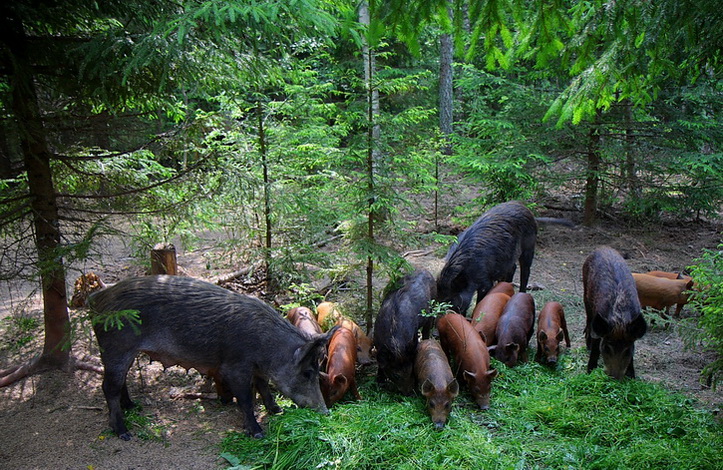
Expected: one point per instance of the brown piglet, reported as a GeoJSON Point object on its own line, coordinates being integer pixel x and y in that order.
{"type": "Point", "coordinates": [515, 329]}
{"type": "Point", "coordinates": [340, 375]}
{"type": "Point", "coordinates": [304, 319]}
{"type": "Point", "coordinates": [363, 342]}
{"type": "Point", "coordinates": [504, 288]}
{"type": "Point", "coordinates": [487, 314]}
{"type": "Point", "coordinates": [551, 330]}
{"type": "Point", "coordinates": [465, 346]}
{"type": "Point", "coordinates": [328, 315]}
{"type": "Point", "coordinates": [660, 293]}
{"type": "Point", "coordinates": [435, 379]}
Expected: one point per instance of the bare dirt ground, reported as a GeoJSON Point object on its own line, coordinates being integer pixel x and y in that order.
{"type": "Point", "coordinates": [59, 421]}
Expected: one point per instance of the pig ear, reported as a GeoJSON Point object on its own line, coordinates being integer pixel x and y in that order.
{"type": "Point", "coordinates": [340, 379]}
{"type": "Point", "coordinates": [313, 349]}
{"type": "Point", "coordinates": [469, 375]}
{"type": "Point", "coordinates": [453, 388]}
{"type": "Point", "coordinates": [427, 387]}
{"type": "Point", "coordinates": [638, 327]}
{"type": "Point", "coordinates": [323, 376]}
{"type": "Point", "coordinates": [560, 335]}
{"type": "Point", "coordinates": [492, 373]}
{"type": "Point", "coordinates": [482, 335]}
{"type": "Point", "coordinates": [492, 350]}
{"type": "Point", "coordinates": [512, 347]}
{"type": "Point", "coordinates": [542, 335]}
{"type": "Point", "coordinates": [600, 327]}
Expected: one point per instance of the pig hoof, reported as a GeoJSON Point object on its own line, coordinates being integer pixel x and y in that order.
{"type": "Point", "coordinates": [126, 436]}
{"type": "Point", "coordinates": [276, 409]}
{"type": "Point", "coordinates": [259, 435]}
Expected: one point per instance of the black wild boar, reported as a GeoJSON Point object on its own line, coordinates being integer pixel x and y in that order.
{"type": "Point", "coordinates": [238, 340]}
{"type": "Point", "coordinates": [395, 330]}
{"type": "Point", "coordinates": [514, 329]}
{"type": "Point", "coordinates": [612, 308]}
{"type": "Point", "coordinates": [435, 380]}
{"type": "Point", "coordinates": [487, 252]}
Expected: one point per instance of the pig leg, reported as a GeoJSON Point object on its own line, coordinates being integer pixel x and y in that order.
{"type": "Point", "coordinates": [241, 384]}
{"type": "Point", "coordinates": [594, 346]}
{"type": "Point", "coordinates": [354, 390]}
{"type": "Point", "coordinates": [630, 372]}
{"type": "Point", "coordinates": [262, 386]}
{"type": "Point", "coordinates": [528, 253]}
{"type": "Point", "coordinates": [116, 392]}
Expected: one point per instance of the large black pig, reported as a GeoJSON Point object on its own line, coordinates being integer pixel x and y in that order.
{"type": "Point", "coordinates": [395, 331]}
{"type": "Point", "coordinates": [238, 340]}
{"type": "Point", "coordinates": [487, 252]}
{"type": "Point", "coordinates": [614, 319]}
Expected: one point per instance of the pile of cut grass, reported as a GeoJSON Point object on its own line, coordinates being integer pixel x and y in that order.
{"type": "Point", "coordinates": [538, 419]}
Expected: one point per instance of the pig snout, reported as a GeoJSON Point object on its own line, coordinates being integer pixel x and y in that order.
{"type": "Point", "coordinates": [439, 425]}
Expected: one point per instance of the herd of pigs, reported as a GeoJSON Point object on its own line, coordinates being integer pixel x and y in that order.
{"type": "Point", "coordinates": [243, 344]}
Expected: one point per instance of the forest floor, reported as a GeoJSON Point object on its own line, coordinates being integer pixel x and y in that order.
{"type": "Point", "coordinates": [58, 420]}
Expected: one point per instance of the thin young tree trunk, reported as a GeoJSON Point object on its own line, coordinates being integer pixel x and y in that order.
{"type": "Point", "coordinates": [373, 134]}
{"type": "Point", "coordinates": [267, 190]}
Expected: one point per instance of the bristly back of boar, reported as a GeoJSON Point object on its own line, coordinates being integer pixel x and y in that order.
{"type": "Point", "coordinates": [486, 252]}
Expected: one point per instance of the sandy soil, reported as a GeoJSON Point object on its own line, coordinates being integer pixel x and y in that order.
{"type": "Point", "coordinates": [59, 420]}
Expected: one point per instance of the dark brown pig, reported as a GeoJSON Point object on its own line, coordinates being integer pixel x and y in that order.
{"type": "Point", "coordinates": [612, 308]}
{"type": "Point", "coordinates": [660, 292]}
{"type": "Point", "coordinates": [304, 319]}
{"type": "Point", "coordinates": [551, 330]}
{"type": "Point", "coordinates": [504, 288]}
{"type": "Point", "coordinates": [487, 252]}
{"type": "Point", "coordinates": [238, 340]}
{"type": "Point", "coordinates": [514, 330]}
{"type": "Point", "coordinates": [435, 380]}
{"type": "Point", "coordinates": [487, 314]}
{"type": "Point", "coordinates": [340, 375]}
{"type": "Point", "coordinates": [464, 345]}
{"type": "Point", "coordinates": [395, 331]}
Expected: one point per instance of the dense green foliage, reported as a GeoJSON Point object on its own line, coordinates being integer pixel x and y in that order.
{"type": "Point", "coordinates": [708, 300]}
{"type": "Point", "coordinates": [538, 419]}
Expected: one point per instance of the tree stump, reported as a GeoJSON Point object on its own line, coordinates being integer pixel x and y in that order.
{"type": "Point", "coordinates": [163, 259]}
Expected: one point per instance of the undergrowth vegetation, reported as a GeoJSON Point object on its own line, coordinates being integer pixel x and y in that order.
{"type": "Point", "coordinates": [539, 418]}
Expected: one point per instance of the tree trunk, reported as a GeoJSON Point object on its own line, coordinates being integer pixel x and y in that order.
{"type": "Point", "coordinates": [592, 182]}
{"type": "Point", "coordinates": [631, 175]}
{"type": "Point", "coordinates": [267, 191]}
{"type": "Point", "coordinates": [373, 134]}
{"type": "Point", "coordinates": [36, 159]}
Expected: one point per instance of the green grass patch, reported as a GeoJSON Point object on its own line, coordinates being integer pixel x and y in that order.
{"type": "Point", "coordinates": [539, 418]}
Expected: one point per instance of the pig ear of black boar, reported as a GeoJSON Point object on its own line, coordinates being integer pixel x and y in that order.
{"type": "Point", "coordinates": [638, 327]}
{"type": "Point", "coordinates": [313, 348]}
{"type": "Point", "coordinates": [492, 350]}
{"type": "Point", "coordinates": [600, 327]}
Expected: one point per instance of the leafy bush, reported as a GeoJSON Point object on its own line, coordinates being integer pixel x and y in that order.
{"type": "Point", "coordinates": [708, 300]}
